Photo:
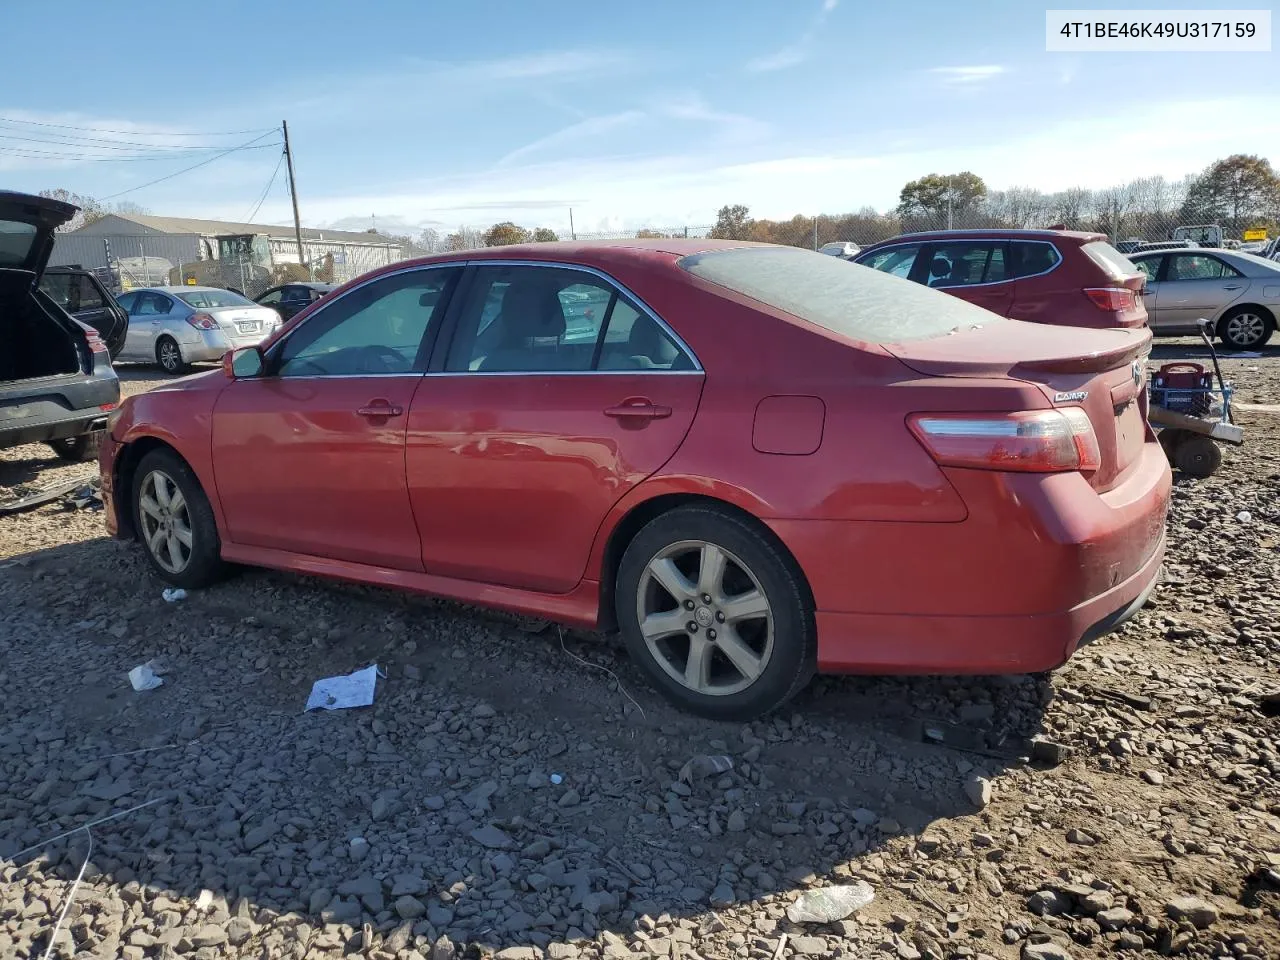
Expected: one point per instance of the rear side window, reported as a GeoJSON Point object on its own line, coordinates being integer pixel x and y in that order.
{"type": "Point", "coordinates": [1030, 258]}
{"type": "Point", "coordinates": [964, 263]}
{"type": "Point", "coordinates": [16, 239]}
{"type": "Point", "coordinates": [1114, 263]}
{"type": "Point", "coordinates": [861, 304]}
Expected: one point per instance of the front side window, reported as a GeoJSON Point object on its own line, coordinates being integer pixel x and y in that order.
{"type": "Point", "coordinates": [126, 301]}
{"type": "Point", "coordinates": [897, 261]}
{"type": "Point", "coordinates": [270, 298]}
{"type": "Point", "coordinates": [380, 328]}
{"type": "Point", "coordinates": [151, 304]}
{"type": "Point", "coordinates": [964, 263]}
{"type": "Point", "coordinates": [1194, 266]}
{"type": "Point", "coordinates": [86, 294]}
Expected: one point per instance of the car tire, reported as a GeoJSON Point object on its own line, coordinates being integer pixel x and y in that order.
{"type": "Point", "coordinates": [169, 356]}
{"type": "Point", "coordinates": [704, 582]}
{"type": "Point", "coordinates": [161, 520]}
{"type": "Point", "coordinates": [1197, 456]}
{"type": "Point", "coordinates": [78, 449]}
{"type": "Point", "coordinates": [1246, 328]}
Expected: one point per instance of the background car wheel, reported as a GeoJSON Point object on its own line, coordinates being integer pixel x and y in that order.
{"type": "Point", "coordinates": [1245, 328]}
{"type": "Point", "coordinates": [716, 614]}
{"type": "Point", "coordinates": [84, 447]}
{"type": "Point", "coordinates": [169, 356]}
{"type": "Point", "coordinates": [175, 522]}
{"type": "Point", "coordinates": [1197, 456]}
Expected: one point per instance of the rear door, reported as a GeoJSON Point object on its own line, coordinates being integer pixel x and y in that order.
{"type": "Point", "coordinates": [972, 269]}
{"type": "Point", "coordinates": [556, 394]}
{"type": "Point", "coordinates": [1151, 267]}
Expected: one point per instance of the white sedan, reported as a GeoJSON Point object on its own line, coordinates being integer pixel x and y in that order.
{"type": "Point", "coordinates": [177, 326]}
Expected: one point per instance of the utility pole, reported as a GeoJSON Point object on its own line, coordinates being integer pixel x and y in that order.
{"type": "Point", "coordinates": [572, 235]}
{"type": "Point", "coordinates": [293, 194]}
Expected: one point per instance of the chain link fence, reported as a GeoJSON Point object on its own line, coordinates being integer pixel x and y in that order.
{"type": "Point", "coordinates": [247, 264]}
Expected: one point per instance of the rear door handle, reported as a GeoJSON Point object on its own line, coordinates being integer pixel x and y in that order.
{"type": "Point", "coordinates": [637, 408]}
{"type": "Point", "coordinates": [380, 408]}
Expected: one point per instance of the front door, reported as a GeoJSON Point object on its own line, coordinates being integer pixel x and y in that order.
{"type": "Point", "coordinates": [556, 396]}
{"type": "Point", "coordinates": [146, 310]}
{"type": "Point", "coordinates": [309, 456]}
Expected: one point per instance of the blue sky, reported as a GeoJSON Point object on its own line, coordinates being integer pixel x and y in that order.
{"type": "Point", "coordinates": [655, 113]}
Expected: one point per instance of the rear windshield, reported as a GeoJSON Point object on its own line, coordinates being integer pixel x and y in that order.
{"type": "Point", "coordinates": [16, 238]}
{"type": "Point", "coordinates": [846, 298]}
{"type": "Point", "coordinates": [1115, 263]}
{"type": "Point", "coordinates": [208, 299]}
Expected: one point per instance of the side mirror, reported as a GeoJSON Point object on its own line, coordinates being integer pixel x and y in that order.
{"type": "Point", "coordinates": [242, 363]}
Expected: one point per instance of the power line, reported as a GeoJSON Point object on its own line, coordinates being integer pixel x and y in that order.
{"type": "Point", "coordinates": [107, 145]}
{"type": "Point", "coordinates": [137, 133]}
{"type": "Point", "coordinates": [270, 183]}
{"type": "Point", "coordinates": [32, 154]}
{"type": "Point", "coordinates": [217, 156]}
{"type": "Point", "coordinates": [97, 143]}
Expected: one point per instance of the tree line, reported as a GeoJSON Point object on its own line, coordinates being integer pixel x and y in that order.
{"type": "Point", "coordinates": [1240, 192]}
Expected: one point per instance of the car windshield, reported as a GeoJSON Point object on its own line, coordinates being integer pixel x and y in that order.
{"type": "Point", "coordinates": [1117, 265]}
{"type": "Point", "coordinates": [208, 299]}
{"type": "Point", "coordinates": [16, 238]}
{"type": "Point", "coordinates": [857, 302]}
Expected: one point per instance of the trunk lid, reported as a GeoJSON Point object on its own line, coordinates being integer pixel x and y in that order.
{"type": "Point", "coordinates": [1101, 371]}
{"type": "Point", "coordinates": [241, 322]}
{"type": "Point", "coordinates": [27, 224]}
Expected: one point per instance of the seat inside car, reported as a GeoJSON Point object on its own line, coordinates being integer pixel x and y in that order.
{"type": "Point", "coordinates": [531, 311]}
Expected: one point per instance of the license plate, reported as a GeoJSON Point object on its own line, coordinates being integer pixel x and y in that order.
{"type": "Point", "coordinates": [246, 326]}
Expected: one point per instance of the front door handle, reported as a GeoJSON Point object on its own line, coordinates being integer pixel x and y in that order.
{"type": "Point", "coordinates": [637, 408]}
{"type": "Point", "coordinates": [380, 408]}
{"type": "Point", "coordinates": [1231, 286]}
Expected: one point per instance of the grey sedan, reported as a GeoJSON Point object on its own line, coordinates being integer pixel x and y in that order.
{"type": "Point", "coordinates": [176, 326]}
{"type": "Point", "coordinates": [1239, 292]}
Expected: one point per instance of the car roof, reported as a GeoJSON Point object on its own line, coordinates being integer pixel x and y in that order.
{"type": "Point", "coordinates": [994, 233]}
{"type": "Point", "coordinates": [586, 252]}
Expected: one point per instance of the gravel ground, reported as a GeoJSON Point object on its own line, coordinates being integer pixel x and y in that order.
{"type": "Point", "coordinates": [505, 793]}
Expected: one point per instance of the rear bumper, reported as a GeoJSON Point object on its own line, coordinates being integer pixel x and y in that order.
{"type": "Point", "coordinates": [1041, 564]}
{"type": "Point", "coordinates": [69, 409]}
{"type": "Point", "coordinates": [212, 345]}
{"type": "Point", "coordinates": [871, 643]}
{"type": "Point", "coordinates": [78, 424]}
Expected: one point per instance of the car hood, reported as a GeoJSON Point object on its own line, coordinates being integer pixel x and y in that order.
{"type": "Point", "coordinates": [46, 216]}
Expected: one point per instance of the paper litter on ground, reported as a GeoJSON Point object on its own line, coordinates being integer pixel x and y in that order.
{"type": "Point", "coordinates": [143, 677]}
{"type": "Point", "coordinates": [338, 693]}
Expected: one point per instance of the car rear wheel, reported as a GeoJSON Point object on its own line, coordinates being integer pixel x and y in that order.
{"type": "Point", "coordinates": [174, 521]}
{"type": "Point", "coordinates": [169, 356]}
{"type": "Point", "coordinates": [1245, 328]}
{"type": "Point", "coordinates": [76, 449]}
{"type": "Point", "coordinates": [716, 614]}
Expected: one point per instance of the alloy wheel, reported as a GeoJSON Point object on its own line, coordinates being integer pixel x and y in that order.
{"type": "Point", "coordinates": [704, 618]}
{"type": "Point", "coordinates": [1246, 329]}
{"type": "Point", "coordinates": [165, 521]}
{"type": "Point", "coordinates": [170, 357]}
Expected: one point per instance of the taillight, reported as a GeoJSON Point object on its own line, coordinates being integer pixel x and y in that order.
{"type": "Point", "coordinates": [1113, 299]}
{"type": "Point", "coordinates": [1039, 441]}
{"type": "Point", "coordinates": [202, 321]}
{"type": "Point", "coordinates": [96, 343]}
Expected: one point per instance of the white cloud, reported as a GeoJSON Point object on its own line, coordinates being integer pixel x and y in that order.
{"type": "Point", "coordinates": [574, 133]}
{"type": "Point", "coordinates": [829, 5]}
{"type": "Point", "coordinates": [788, 56]}
{"type": "Point", "coordinates": [974, 74]}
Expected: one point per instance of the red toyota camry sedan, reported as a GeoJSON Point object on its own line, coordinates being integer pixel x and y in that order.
{"type": "Point", "coordinates": [756, 462]}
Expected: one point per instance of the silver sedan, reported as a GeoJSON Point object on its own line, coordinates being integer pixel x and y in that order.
{"type": "Point", "coordinates": [177, 326]}
{"type": "Point", "coordinates": [1238, 292]}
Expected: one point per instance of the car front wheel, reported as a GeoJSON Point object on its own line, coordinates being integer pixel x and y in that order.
{"type": "Point", "coordinates": [174, 521]}
{"type": "Point", "coordinates": [716, 614]}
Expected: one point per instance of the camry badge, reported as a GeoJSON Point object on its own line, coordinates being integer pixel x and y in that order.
{"type": "Point", "coordinates": [1076, 395]}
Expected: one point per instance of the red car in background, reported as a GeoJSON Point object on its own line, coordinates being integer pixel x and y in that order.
{"type": "Point", "coordinates": [756, 461]}
{"type": "Point", "coordinates": [1049, 276]}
